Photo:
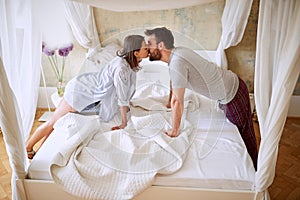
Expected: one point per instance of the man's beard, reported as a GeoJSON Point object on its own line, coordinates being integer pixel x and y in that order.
{"type": "Point", "coordinates": [155, 55]}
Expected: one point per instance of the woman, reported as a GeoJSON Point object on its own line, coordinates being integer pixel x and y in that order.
{"type": "Point", "coordinates": [107, 91]}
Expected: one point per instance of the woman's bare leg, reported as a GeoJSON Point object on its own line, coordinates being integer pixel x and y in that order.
{"type": "Point", "coordinates": [43, 131]}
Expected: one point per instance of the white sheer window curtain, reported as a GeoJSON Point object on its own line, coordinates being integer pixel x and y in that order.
{"type": "Point", "coordinates": [19, 77]}
{"type": "Point", "coordinates": [234, 21]}
{"type": "Point", "coordinates": [80, 17]}
{"type": "Point", "coordinates": [277, 69]}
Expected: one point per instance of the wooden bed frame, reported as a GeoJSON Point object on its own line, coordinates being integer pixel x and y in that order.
{"type": "Point", "coordinates": [48, 190]}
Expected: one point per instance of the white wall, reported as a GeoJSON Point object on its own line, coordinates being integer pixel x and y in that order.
{"type": "Point", "coordinates": [294, 109]}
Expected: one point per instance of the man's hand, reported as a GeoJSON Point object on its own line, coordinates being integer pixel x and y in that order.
{"type": "Point", "coordinates": [118, 127]}
{"type": "Point", "coordinates": [172, 133]}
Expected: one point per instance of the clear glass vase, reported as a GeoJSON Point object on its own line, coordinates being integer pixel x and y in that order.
{"type": "Point", "coordinates": [61, 89]}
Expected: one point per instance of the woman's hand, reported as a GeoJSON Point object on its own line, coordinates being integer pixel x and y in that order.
{"type": "Point", "coordinates": [122, 126]}
{"type": "Point", "coordinates": [124, 110]}
{"type": "Point", "coordinates": [171, 132]}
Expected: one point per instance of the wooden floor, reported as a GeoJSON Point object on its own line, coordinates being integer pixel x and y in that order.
{"type": "Point", "coordinates": [286, 185]}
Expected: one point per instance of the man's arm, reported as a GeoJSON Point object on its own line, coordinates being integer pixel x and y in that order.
{"type": "Point", "coordinates": [170, 96]}
{"type": "Point", "coordinates": [177, 104]}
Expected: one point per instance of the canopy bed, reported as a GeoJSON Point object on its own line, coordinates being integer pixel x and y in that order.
{"type": "Point", "coordinates": [276, 72]}
{"type": "Point", "coordinates": [200, 151]}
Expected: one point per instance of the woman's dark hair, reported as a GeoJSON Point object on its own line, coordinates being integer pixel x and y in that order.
{"type": "Point", "coordinates": [162, 34]}
{"type": "Point", "coordinates": [132, 43]}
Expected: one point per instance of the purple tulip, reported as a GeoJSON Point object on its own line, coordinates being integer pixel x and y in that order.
{"type": "Point", "coordinates": [48, 52]}
{"type": "Point", "coordinates": [65, 51]}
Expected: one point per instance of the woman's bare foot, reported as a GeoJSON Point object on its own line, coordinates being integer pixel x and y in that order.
{"type": "Point", "coordinates": [30, 154]}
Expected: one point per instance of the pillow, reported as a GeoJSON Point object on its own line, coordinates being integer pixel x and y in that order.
{"type": "Point", "coordinates": [151, 96]}
{"type": "Point", "coordinates": [100, 57]}
{"type": "Point", "coordinates": [154, 96]}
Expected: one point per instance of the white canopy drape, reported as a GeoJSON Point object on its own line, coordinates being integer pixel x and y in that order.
{"type": "Point", "coordinates": [9, 118]}
{"type": "Point", "coordinates": [19, 78]}
{"type": "Point", "coordinates": [20, 56]}
{"type": "Point", "coordinates": [277, 69]}
{"type": "Point", "coordinates": [81, 20]}
{"type": "Point", "coordinates": [234, 21]}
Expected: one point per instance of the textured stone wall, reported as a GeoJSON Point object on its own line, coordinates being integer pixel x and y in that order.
{"type": "Point", "coordinates": [241, 58]}
{"type": "Point", "coordinates": [197, 27]}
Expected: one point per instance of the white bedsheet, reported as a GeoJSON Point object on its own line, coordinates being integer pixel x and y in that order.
{"type": "Point", "coordinates": [217, 157]}
{"type": "Point", "coordinates": [99, 164]}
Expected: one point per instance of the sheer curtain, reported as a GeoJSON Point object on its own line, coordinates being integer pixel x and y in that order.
{"type": "Point", "coordinates": [12, 133]}
{"type": "Point", "coordinates": [19, 77]}
{"type": "Point", "coordinates": [277, 69]}
{"type": "Point", "coordinates": [20, 45]}
{"type": "Point", "coordinates": [234, 21]}
{"type": "Point", "coordinates": [80, 17]}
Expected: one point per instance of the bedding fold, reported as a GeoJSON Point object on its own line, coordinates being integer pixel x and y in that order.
{"type": "Point", "coordinates": [97, 164]}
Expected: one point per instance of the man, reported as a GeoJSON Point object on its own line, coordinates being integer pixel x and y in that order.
{"type": "Point", "coordinates": [190, 70]}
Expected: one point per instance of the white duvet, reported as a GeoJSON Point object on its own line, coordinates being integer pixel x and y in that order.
{"type": "Point", "coordinates": [96, 163]}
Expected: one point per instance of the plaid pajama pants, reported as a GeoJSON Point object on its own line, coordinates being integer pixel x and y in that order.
{"type": "Point", "coordinates": [238, 111]}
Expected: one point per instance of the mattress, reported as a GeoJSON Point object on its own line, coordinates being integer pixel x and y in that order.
{"type": "Point", "coordinates": [216, 159]}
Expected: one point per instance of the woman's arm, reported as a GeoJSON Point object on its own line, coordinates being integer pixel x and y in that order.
{"type": "Point", "coordinates": [124, 110]}
{"type": "Point", "coordinates": [123, 84]}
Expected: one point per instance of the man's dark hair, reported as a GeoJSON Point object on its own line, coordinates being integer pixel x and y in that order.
{"type": "Point", "coordinates": [162, 34]}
